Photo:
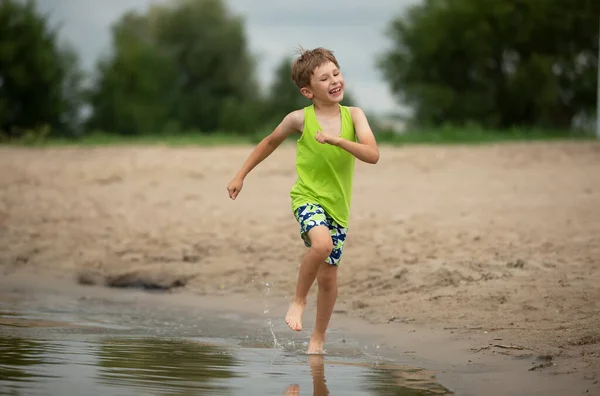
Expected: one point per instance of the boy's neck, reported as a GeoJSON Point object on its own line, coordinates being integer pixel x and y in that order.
{"type": "Point", "coordinates": [327, 108]}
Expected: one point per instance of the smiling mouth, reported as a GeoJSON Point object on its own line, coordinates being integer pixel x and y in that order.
{"type": "Point", "coordinates": [336, 90]}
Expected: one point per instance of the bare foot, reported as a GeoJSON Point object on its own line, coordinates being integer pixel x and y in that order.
{"type": "Point", "coordinates": [292, 390]}
{"type": "Point", "coordinates": [315, 346]}
{"type": "Point", "coordinates": [294, 315]}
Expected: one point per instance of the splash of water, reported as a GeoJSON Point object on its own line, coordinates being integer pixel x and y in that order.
{"type": "Point", "coordinates": [377, 358]}
{"type": "Point", "coordinates": [276, 343]}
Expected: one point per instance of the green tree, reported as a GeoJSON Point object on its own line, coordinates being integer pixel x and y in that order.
{"type": "Point", "coordinates": [283, 95]}
{"type": "Point", "coordinates": [73, 93]}
{"type": "Point", "coordinates": [513, 63]}
{"type": "Point", "coordinates": [136, 87]}
{"type": "Point", "coordinates": [184, 65]}
{"type": "Point", "coordinates": [39, 79]}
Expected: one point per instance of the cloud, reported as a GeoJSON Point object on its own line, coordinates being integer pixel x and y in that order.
{"type": "Point", "coordinates": [354, 29]}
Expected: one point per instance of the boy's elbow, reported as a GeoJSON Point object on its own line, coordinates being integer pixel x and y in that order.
{"type": "Point", "coordinates": [375, 158]}
{"type": "Point", "coordinates": [270, 142]}
{"type": "Point", "coordinates": [267, 140]}
{"type": "Point", "coordinates": [371, 160]}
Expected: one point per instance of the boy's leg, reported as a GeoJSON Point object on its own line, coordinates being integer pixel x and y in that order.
{"type": "Point", "coordinates": [328, 286]}
{"type": "Point", "coordinates": [327, 294]}
{"type": "Point", "coordinates": [321, 246]}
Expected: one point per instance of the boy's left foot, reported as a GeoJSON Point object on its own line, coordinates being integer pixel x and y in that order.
{"type": "Point", "coordinates": [293, 318]}
{"type": "Point", "coordinates": [316, 344]}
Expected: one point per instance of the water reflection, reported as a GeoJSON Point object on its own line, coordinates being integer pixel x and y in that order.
{"type": "Point", "coordinates": [19, 357]}
{"type": "Point", "coordinates": [174, 366]}
{"type": "Point", "coordinates": [317, 372]}
{"type": "Point", "coordinates": [403, 381]}
{"type": "Point", "coordinates": [381, 380]}
{"type": "Point", "coordinates": [117, 365]}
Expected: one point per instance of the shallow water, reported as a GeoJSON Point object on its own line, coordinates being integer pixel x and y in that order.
{"type": "Point", "coordinates": [105, 365]}
{"type": "Point", "coordinates": [103, 348]}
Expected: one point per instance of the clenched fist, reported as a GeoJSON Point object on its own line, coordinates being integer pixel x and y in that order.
{"type": "Point", "coordinates": [235, 187]}
{"type": "Point", "coordinates": [326, 138]}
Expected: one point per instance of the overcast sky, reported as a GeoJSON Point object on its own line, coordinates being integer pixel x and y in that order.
{"type": "Point", "coordinates": [354, 29]}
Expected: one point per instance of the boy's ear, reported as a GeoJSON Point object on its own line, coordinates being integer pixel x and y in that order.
{"type": "Point", "coordinates": [306, 92]}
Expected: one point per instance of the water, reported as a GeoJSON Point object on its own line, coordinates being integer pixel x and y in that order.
{"type": "Point", "coordinates": [104, 348]}
{"type": "Point", "coordinates": [104, 365]}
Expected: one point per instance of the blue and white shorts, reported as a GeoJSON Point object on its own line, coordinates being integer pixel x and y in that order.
{"type": "Point", "coordinates": [312, 215]}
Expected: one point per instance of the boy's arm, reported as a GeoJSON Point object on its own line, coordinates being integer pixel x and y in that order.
{"type": "Point", "coordinates": [290, 124]}
{"type": "Point", "coordinates": [366, 149]}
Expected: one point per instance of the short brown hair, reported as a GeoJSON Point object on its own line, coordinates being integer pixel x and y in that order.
{"type": "Point", "coordinates": [307, 62]}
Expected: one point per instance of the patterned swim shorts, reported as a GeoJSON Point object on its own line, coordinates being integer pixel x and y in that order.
{"type": "Point", "coordinates": [312, 215]}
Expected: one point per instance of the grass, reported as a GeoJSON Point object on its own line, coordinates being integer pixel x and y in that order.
{"type": "Point", "coordinates": [478, 136]}
{"type": "Point", "coordinates": [105, 139]}
{"type": "Point", "coordinates": [423, 136]}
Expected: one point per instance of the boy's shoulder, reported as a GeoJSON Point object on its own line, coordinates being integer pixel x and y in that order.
{"type": "Point", "coordinates": [296, 119]}
{"type": "Point", "coordinates": [356, 111]}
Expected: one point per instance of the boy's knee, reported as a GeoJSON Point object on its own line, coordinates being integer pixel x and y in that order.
{"type": "Point", "coordinates": [322, 247]}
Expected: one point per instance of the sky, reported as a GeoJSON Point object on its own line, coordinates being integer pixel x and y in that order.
{"type": "Point", "coordinates": [353, 29]}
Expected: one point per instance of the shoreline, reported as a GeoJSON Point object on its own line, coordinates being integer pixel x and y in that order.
{"type": "Point", "coordinates": [420, 136]}
{"type": "Point", "coordinates": [447, 356]}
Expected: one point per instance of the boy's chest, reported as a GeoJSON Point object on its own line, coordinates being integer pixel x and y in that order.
{"type": "Point", "coordinates": [331, 126]}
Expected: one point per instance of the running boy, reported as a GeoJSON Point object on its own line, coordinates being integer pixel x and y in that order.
{"type": "Point", "coordinates": [332, 136]}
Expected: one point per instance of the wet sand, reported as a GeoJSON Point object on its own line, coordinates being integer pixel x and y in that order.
{"type": "Point", "coordinates": [496, 247]}
{"type": "Point", "coordinates": [413, 357]}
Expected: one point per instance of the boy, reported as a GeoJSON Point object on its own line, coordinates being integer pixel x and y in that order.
{"type": "Point", "coordinates": [332, 136]}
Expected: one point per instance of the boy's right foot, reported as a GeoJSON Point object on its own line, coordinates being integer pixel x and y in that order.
{"type": "Point", "coordinates": [315, 346]}
{"type": "Point", "coordinates": [293, 318]}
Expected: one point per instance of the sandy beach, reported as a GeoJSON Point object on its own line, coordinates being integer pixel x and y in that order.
{"type": "Point", "coordinates": [499, 241]}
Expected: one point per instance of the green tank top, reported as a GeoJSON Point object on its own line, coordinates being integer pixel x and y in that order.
{"type": "Point", "coordinates": [324, 172]}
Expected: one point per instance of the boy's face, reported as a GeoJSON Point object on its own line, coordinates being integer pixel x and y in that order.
{"type": "Point", "coordinates": [326, 84]}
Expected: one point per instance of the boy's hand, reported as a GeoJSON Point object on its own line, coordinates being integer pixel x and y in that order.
{"type": "Point", "coordinates": [235, 187]}
{"type": "Point", "coordinates": [324, 138]}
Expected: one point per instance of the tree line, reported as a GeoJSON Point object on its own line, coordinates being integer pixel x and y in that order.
{"type": "Point", "coordinates": [185, 67]}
